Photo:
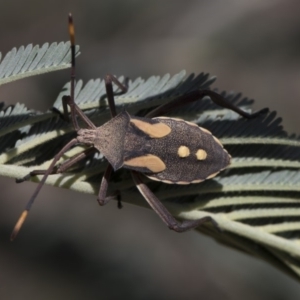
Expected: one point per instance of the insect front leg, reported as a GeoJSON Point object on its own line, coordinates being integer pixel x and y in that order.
{"type": "Point", "coordinates": [164, 214]}
{"type": "Point", "coordinates": [76, 111]}
{"type": "Point", "coordinates": [61, 168]}
{"type": "Point", "coordinates": [109, 80]}
{"type": "Point", "coordinates": [102, 198]}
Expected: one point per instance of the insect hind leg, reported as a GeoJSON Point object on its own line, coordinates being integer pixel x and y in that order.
{"type": "Point", "coordinates": [198, 95]}
{"type": "Point", "coordinates": [164, 214]}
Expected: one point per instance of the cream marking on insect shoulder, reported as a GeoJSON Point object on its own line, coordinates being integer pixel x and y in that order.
{"type": "Point", "coordinates": [152, 162]}
{"type": "Point", "coordinates": [157, 130]}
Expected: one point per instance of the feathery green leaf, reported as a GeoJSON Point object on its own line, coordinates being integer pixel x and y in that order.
{"type": "Point", "coordinates": [255, 201]}
{"type": "Point", "coordinates": [30, 61]}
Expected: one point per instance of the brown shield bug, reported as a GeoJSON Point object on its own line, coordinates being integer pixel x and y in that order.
{"type": "Point", "coordinates": [164, 149]}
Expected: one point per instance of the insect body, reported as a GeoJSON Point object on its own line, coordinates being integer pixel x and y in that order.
{"type": "Point", "coordinates": [164, 149]}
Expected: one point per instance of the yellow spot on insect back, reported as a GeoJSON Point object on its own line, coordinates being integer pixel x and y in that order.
{"type": "Point", "coordinates": [183, 151]}
{"type": "Point", "coordinates": [201, 154]}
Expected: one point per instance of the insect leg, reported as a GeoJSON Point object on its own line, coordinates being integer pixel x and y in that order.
{"type": "Point", "coordinates": [199, 95]}
{"type": "Point", "coordinates": [75, 110]}
{"type": "Point", "coordinates": [102, 198]}
{"type": "Point", "coordinates": [163, 213]}
{"type": "Point", "coordinates": [61, 168]}
{"type": "Point", "coordinates": [109, 79]}
{"type": "Point", "coordinates": [67, 100]}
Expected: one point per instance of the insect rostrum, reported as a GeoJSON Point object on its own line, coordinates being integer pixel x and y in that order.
{"type": "Point", "coordinates": [165, 149]}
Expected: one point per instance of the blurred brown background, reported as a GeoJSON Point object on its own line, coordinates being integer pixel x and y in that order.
{"type": "Point", "coordinates": [72, 249]}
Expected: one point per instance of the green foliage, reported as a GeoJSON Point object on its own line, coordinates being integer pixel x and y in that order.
{"type": "Point", "coordinates": [30, 61]}
{"type": "Point", "coordinates": [255, 201]}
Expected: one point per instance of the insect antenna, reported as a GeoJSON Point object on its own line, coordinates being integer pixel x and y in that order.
{"type": "Point", "coordinates": [70, 100]}
{"type": "Point", "coordinates": [67, 100]}
{"type": "Point", "coordinates": [29, 204]}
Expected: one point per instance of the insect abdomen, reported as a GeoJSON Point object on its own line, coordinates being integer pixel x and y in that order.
{"type": "Point", "coordinates": [191, 153]}
{"type": "Point", "coordinates": [186, 154]}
